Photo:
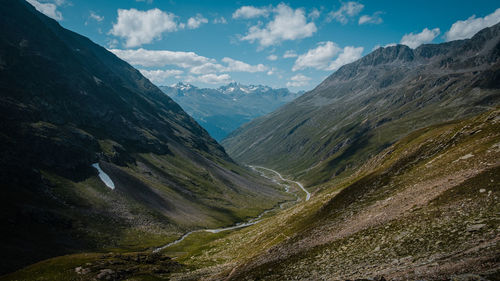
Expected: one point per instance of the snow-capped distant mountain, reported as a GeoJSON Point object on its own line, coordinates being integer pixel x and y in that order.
{"type": "Point", "coordinates": [237, 88]}
{"type": "Point", "coordinates": [222, 110]}
{"type": "Point", "coordinates": [182, 86]}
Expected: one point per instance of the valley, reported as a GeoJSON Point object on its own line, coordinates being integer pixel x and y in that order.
{"type": "Point", "coordinates": [249, 222]}
{"type": "Point", "coordinates": [388, 169]}
{"type": "Point", "coordinates": [163, 175]}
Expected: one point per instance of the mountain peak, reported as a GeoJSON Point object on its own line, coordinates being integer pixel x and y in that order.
{"type": "Point", "coordinates": [389, 54]}
{"type": "Point", "coordinates": [183, 86]}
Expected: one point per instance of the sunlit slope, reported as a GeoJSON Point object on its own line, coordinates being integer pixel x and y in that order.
{"type": "Point", "coordinates": [425, 207]}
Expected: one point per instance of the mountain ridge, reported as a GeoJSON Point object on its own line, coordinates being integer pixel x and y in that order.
{"type": "Point", "coordinates": [368, 104]}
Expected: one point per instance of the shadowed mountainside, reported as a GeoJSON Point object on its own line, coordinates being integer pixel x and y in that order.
{"type": "Point", "coordinates": [67, 103]}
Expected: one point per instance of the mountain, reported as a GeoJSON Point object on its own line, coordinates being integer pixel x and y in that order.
{"type": "Point", "coordinates": [425, 208]}
{"type": "Point", "coordinates": [369, 104]}
{"type": "Point", "coordinates": [404, 182]}
{"type": "Point", "coordinates": [400, 151]}
{"type": "Point", "coordinates": [220, 111]}
{"type": "Point", "coordinates": [67, 106]}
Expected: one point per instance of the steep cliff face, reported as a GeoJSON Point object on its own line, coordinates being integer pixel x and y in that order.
{"type": "Point", "coordinates": [367, 105]}
{"type": "Point", "coordinates": [67, 103]}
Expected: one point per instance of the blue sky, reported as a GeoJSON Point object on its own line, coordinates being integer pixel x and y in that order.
{"type": "Point", "coordinates": [294, 44]}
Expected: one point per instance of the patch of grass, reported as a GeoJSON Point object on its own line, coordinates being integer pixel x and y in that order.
{"type": "Point", "coordinates": [92, 266]}
{"type": "Point", "coordinates": [59, 268]}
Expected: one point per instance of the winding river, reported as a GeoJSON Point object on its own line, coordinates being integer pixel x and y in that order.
{"type": "Point", "coordinates": [239, 225]}
{"type": "Point", "coordinates": [308, 195]}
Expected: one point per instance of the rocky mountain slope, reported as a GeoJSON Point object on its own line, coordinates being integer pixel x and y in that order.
{"type": "Point", "coordinates": [425, 208]}
{"type": "Point", "coordinates": [68, 103]}
{"type": "Point", "coordinates": [367, 105]}
{"type": "Point", "coordinates": [220, 111]}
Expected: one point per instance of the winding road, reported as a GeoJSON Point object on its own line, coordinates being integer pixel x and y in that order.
{"type": "Point", "coordinates": [240, 225]}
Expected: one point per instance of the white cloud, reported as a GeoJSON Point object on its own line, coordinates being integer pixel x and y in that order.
{"type": "Point", "coordinates": [321, 57]}
{"type": "Point", "coordinates": [208, 67]}
{"type": "Point", "coordinates": [196, 64]}
{"type": "Point", "coordinates": [346, 11]}
{"type": "Point", "coordinates": [220, 20]}
{"type": "Point", "coordinates": [272, 57]}
{"type": "Point", "coordinates": [159, 76]}
{"type": "Point", "coordinates": [271, 71]}
{"type": "Point", "coordinates": [385, 46]}
{"type": "Point", "coordinates": [348, 55]}
{"type": "Point", "coordinates": [239, 66]}
{"type": "Point", "coordinates": [210, 79]}
{"type": "Point", "coordinates": [232, 65]}
{"type": "Point", "coordinates": [288, 24]}
{"type": "Point", "coordinates": [374, 19]}
{"type": "Point", "coordinates": [464, 29]}
{"type": "Point", "coordinates": [93, 15]}
{"type": "Point", "coordinates": [298, 80]}
{"type": "Point", "coordinates": [49, 9]}
{"type": "Point", "coordinates": [159, 58]}
{"type": "Point", "coordinates": [195, 22]}
{"type": "Point", "coordinates": [314, 14]}
{"type": "Point", "coordinates": [414, 40]}
{"type": "Point", "coordinates": [290, 54]}
{"type": "Point", "coordinates": [248, 12]}
{"type": "Point", "coordinates": [142, 27]}
{"type": "Point", "coordinates": [318, 57]}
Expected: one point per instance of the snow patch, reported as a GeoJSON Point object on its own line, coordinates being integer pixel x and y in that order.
{"type": "Point", "coordinates": [97, 80]}
{"type": "Point", "coordinates": [104, 177]}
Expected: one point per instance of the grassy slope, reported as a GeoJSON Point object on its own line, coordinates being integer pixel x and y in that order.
{"type": "Point", "coordinates": [105, 220]}
{"type": "Point", "coordinates": [412, 216]}
{"type": "Point", "coordinates": [407, 208]}
{"type": "Point", "coordinates": [423, 208]}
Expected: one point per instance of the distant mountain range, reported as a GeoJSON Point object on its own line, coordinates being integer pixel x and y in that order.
{"type": "Point", "coordinates": [220, 111]}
